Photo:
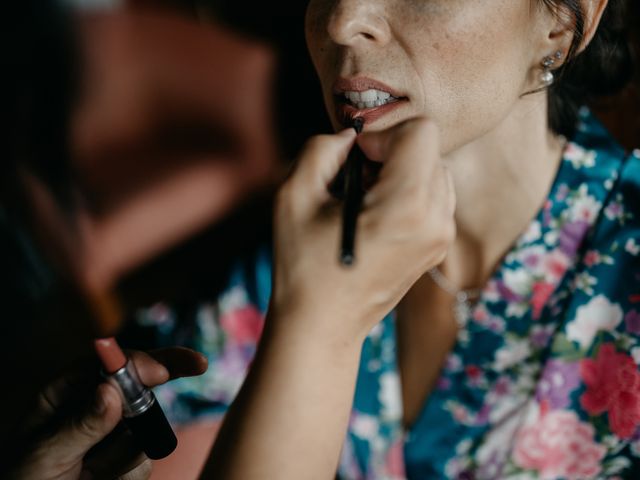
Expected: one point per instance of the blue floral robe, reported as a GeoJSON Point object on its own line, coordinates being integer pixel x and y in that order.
{"type": "Point", "coordinates": [543, 381]}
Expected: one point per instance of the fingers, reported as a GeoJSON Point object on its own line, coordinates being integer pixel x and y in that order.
{"type": "Point", "coordinates": [181, 362]}
{"type": "Point", "coordinates": [116, 457]}
{"type": "Point", "coordinates": [141, 472]}
{"type": "Point", "coordinates": [318, 165]}
{"type": "Point", "coordinates": [410, 153]}
{"type": "Point", "coordinates": [74, 440]}
{"type": "Point", "coordinates": [414, 197]}
{"type": "Point", "coordinates": [160, 366]}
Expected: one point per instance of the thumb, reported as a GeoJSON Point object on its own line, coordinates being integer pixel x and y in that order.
{"type": "Point", "coordinates": [72, 442]}
{"type": "Point", "coordinates": [410, 152]}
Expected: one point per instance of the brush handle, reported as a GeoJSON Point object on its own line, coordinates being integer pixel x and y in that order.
{"type": "Point", "coordinates": [353, 194]}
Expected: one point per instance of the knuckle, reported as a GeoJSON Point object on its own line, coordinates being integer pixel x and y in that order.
{"type": "Point", "coordinates": [373, 224]}
{"type": "Point", "coordinates": [315, 144]}
{"type": "Point", "coordinates": [85, 427]}
{"type": "Point", "coordinates": [285, 198]}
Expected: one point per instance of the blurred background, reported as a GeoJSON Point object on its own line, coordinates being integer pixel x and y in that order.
{"type": "Point", "coordinates": [144, 142]}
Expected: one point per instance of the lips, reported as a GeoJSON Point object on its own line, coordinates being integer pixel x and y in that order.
{"type": "Point", "coordinates": [346, 111]}
{"type": "Point", "coordinates": [360, 84]}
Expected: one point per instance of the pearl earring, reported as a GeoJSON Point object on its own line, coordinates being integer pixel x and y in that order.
{"type": "Point", "coordinates": [547, 77]}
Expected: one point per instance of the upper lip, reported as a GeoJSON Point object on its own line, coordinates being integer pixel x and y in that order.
{"type": "Point", "coordinates": [361, 84]}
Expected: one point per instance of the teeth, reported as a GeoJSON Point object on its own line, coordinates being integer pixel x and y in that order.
{"type": "Point", "coordinates": [369, 98]}
{"type": "Point", "coordinates": [354, 97]}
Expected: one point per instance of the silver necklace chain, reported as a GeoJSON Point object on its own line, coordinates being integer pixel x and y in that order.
{"type": "Point", "coordinates": [463, 298]}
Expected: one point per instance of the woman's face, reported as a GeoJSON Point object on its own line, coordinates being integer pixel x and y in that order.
{"type": "Point", "coordinates": [463, 63]}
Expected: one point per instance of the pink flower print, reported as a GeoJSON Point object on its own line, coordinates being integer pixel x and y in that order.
{"type": "Point", "coordinates": [395, 461]}
{"type": "Point", "coordinates": [502, 386]}
{"type": "Point", "coordinates": [243, 325]}
{"type": "Point", "coordinates": [556, 264]}
{"type": "Point", "coordinates": [473, 371]}
{"type": "Point", "coordinates": [474, 374]}
{"type": "Point", "coordinates": [559, 445]}
{"type": "Point", "coordinates": [541, 293]}
{"type": "Point", "coordinates": [632, 320]}
{"type": "Point", "coordinates": [532, 259]}
{"type": "Point", "coordinates": [613, 386]}
{"type": "Point", "coordinates": [614, 211]}
{"type": "Point", "coordinates": [480, 314]}
{"type": "Point", "coordinates": [591, 258]}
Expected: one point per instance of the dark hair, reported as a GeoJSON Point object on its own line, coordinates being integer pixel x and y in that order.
{"type": "Point", "coordinates": [602, 69]}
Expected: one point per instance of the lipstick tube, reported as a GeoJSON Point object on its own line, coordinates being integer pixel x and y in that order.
{"type": "Point", "coordinates": [353, 194]}
{"type": "Point", "coordinates": [141, 411]}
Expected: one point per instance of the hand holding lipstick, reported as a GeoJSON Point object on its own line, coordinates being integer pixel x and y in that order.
{"type": "Point", "coordinates": [404, 228]}
{"type": "Point", "coordinates": [92, 445]}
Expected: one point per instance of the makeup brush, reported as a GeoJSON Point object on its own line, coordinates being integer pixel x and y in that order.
{"type": "Point", "coordinates": [353, 194]}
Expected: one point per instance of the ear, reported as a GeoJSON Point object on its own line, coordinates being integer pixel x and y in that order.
{"type": "Point", "coordinates": [563, 22]}
{"type": "Point", "coordinates": [593, 11]}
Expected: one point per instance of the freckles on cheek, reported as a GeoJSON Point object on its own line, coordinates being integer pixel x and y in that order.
{"type": "Point", "coordinates": [475, 77]}
{"type": "Point", "coordinates": [495, 54]}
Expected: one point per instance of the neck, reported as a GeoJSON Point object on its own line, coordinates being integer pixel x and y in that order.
{"type": "Point", "coordinates": [501, 180]}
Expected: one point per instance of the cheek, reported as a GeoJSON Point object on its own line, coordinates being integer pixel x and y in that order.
{"type": "Point", "coordinates": [316, 18]}
{"type": "Point", "coordinates": [475, 73]}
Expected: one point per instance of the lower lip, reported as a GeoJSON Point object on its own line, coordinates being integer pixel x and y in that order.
{"type": "Point", "coordinates": [347, 112]}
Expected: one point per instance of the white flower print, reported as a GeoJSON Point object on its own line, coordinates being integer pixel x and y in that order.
{"type": "Point", "coordinates": [635, 353]}
{"type": "Point", "coordinates": [493, 453]}
{"type": "Point", "coordinates": [158, 314]}
{"type": "Point", "coordinates": [584, 207]}
{"type": "Point", "coordinates": [551, 238]}
{"type": "Point", "coordinates": [364, 426]}
{"type": "Point", "coordinates": [532, 258]}
{"type": "Point", "coordinates": [513, 352]}
{"type": "Point", "coordinates": [207, 321]}
{"type": "Point", "coordinates": [585, 282]}
{"type": "Point", "coordinates": [519, 281]}
{"type": "Point", "coordinates": [233, 299]}
{"type": "Point", "coordinates": [517, 309]}
{"type": "Point", "coordinates": [632, 247]}
{"type": "Point", "coordinates": [599, 314]}
{"type": "Point", "coordinates": [615, 210]}
{"type": "Point", "coordinates": [390, 396]}
{"type": "Point", "coordinates": [579, 157]}
{"type": "Point", "coordinates": [533, 233]}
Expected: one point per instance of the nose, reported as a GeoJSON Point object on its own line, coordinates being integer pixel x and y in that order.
{"type": "Point", "coordinates": [358, 22]}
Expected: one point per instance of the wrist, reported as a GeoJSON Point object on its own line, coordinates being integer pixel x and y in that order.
{"type": "Point", "coordinates": [314, 329]}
